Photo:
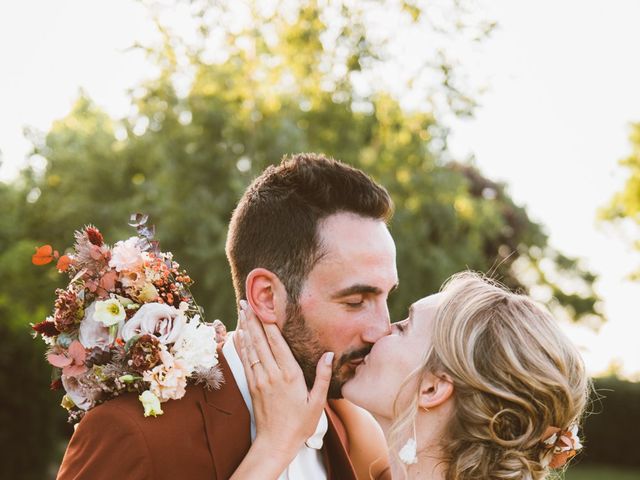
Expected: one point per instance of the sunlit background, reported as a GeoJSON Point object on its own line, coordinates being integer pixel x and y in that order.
{"type": "Point", "coordinates": [553, 122]}
{"type": "Point", "coordinates": [557, 87]}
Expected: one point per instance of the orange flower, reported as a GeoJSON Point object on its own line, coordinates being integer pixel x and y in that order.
{"type": "Point", "coordinates": [45, 254]}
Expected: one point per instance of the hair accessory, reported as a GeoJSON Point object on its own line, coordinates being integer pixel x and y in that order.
{"type": "Point", "coordinates": [408, 453]}
{"type": "Point", "coordinates": [563, 443]}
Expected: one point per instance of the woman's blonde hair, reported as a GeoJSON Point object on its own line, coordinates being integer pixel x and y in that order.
{"type": "Point", "coordinates": [514, 374]}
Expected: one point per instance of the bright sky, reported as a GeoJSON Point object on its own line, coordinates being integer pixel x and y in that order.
{"type": "Point", "coordinates": [564, 86]}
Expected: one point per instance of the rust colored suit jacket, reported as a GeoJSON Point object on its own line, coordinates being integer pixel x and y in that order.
{"type": "Point", "coordinates": [203, 436]}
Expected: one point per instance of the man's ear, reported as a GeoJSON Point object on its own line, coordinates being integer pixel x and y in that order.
{"type": "Point", "coordinates": [435, 390]}
{"type": "Point", "coordinates": [266, 295]}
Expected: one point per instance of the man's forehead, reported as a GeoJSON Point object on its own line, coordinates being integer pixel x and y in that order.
{"type": "Point", "coordinates": [349, 234]}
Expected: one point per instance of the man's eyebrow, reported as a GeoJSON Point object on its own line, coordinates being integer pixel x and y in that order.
{"type": "Point", "coordinates": [357, 289]}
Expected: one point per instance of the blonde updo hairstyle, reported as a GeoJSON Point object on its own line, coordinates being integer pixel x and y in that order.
{"type": "Point", "coordinates": [514, 374]}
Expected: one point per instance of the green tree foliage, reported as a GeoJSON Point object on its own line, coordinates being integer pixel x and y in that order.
{"type": "Point", "coordinates": [283, 83]}
{"type": "Point", "coordinates": [625, 204]}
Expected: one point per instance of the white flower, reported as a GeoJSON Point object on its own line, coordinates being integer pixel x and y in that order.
{"type": "Point", "coordinates": [126, 255]}
{"type": "Point", "coordinates": [196, 346]}
{"type": "Point", "coordinates": [109, 312]}
{"type": "Point", "coordinates": [159, 319]}
{"type": "Point", "coordinates": [151, 404]}
{"type": "Point", "coordinates": [577, 444]}
{"type": "Point", "coordinates": [407, 453]}
{"type": "Point", "coordinates": [94, 333]}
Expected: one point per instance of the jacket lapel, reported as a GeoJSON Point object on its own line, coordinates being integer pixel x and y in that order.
{"type": "Point", "coordinates": [227, 423]}
{"type": "Point", "coordinates": [335, 451]}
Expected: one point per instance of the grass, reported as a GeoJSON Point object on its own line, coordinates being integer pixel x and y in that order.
{"type": "Point", "coordinates": [580, 472]}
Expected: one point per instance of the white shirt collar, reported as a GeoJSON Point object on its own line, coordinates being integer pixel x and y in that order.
{"type": "Point", "coordinates": [235, 364]}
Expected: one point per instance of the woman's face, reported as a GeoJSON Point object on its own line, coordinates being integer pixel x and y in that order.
{"type": "Point", "coordinates": [392, 359]}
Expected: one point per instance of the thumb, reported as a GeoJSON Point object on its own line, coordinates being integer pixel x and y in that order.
{"type": "Point", "coordinates": [318, 394]}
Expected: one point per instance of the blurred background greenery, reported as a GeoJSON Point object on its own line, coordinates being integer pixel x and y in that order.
{"type": "Point", "coordinates": [285, 82]}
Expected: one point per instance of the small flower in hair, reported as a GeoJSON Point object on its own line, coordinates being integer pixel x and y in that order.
{"type": "Point", "coordinates": [563, 443]}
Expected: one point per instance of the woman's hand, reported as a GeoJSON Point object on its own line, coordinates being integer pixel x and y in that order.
{"type": "Point", "coordinates": [286, 413]}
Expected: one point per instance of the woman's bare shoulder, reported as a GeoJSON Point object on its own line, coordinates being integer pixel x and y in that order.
{"type": "Point", "coordinates": [367, 446]}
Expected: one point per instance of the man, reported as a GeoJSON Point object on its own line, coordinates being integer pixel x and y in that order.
{"type": "Point", "coordinates": [310, 251]}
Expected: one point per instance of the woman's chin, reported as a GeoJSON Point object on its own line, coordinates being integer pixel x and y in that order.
{"type": "Point", "coordinates": [352, 390]}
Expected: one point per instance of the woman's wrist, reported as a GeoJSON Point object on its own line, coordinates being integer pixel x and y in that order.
{"type": "Point", "coordinates": [263, 461]}
{"type": "Point", "coordinates": [278, 451]}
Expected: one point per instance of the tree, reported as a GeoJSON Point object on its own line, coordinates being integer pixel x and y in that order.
{"type": "Point", "coordinates": [625, 204]}
{"type": "Point", "coordinates": [283, 81]}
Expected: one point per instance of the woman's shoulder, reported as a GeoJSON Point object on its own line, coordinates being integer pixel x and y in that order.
{"type": "Point", "coordinates": [367, 446]}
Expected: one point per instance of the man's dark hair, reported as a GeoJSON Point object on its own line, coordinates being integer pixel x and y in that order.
{"type": "Point", "coordinates": [275, 225]}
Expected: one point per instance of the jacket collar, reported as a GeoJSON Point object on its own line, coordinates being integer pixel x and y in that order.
{"type": "Point", "coordinates": [227, 423]}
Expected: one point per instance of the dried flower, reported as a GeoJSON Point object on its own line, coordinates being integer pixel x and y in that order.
{"type": "Point", "coordinates": [71, 360]}
{"type": "Point", "coordinates": [144, 354]}
{"type": "Point", "coordinates": [68, 311]}
{"type": "Point", "coordinates": [97, 356]}
{"type": "Point", "coordinates": [89, 255]}
{"type": "Point", "coordinates": [46, 328]}
{"type": "Point", "coordinates": [94, 236]}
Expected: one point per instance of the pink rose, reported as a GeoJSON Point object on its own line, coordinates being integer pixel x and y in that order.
{"type": "Point", "coordinates": [159, 319]}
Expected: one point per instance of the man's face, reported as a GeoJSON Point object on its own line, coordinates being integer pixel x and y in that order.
{"type": "Point", "coordinates": [342, 307]}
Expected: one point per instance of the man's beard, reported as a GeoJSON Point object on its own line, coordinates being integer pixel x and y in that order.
{"type": "Point", "coordinates": [307, 350]}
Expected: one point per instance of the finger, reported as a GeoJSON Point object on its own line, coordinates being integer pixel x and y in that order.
{"type": "Point", "coordinates": [260, 375]}
{"type": "Point", "coordinates": [279, 347]}
{"type": "Point", "coordinates": [244, 357]}
{"type": "Point", "coordinates": [258, 338]}
{"type": "Point", "coordinates": [318, 394]}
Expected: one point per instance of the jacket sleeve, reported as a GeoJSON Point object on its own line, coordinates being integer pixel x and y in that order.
{"type": "Point", "coordinates": [106, 445]}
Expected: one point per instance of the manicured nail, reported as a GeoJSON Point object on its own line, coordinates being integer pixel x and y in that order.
{"type": "Point", "coordinates": [243, 304]}
{"type": "Point", "coordinates": [328, 358]}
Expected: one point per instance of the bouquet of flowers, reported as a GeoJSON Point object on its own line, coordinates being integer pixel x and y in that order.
{"type": "Point", "coordinates": [125, 323]}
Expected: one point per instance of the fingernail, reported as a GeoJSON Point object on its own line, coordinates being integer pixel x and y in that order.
{"type": "Point", "coordinates": [328, 358]}
{"type": "Point", "coordinates": [243, 304]}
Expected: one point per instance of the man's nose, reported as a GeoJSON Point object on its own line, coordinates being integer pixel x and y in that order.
{"type": "Point", "coordinates": [379, 326]}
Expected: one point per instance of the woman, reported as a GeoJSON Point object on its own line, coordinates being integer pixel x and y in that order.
{"type": "Point", "coordinates": [476, 383]}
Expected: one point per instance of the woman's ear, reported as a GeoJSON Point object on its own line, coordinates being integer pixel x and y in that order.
{"type": "Point", "coordinates": [435, 390]}
{"type": "Point", "coordinates": [266, 295]}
